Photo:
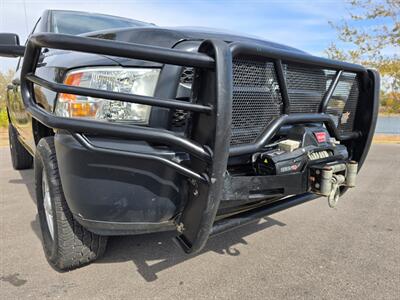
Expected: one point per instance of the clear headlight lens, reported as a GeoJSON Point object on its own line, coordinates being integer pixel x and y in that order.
{"type": "Point", "coordinates": [139, 81]}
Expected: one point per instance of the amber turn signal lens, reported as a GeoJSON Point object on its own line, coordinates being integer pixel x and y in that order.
{"type": "Point", "coordinates": [72, 79]}
{"type": "Point", "coordinates": [76, 109]}
{"type": "Point", "coordinates": [82, 109]}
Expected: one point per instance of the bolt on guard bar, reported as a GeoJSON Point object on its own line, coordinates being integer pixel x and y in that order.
{"type": "Point", "coordinates": [209, 141]}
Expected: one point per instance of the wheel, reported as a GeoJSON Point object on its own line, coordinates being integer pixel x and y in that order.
{"type": "Point", "coordinates": [67, 245]}
{"type": "Point", "coordinates": [21, 159]}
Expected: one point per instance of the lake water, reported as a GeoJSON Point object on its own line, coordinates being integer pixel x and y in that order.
{"type": "Point", "coordinates": [388, 125]}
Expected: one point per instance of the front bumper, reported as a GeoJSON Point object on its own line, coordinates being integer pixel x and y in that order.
{"type": "Point", "coordinates": [111, 193]}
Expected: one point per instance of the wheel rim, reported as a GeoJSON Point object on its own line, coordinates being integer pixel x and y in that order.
{"type": "Point", "coordinates": [48, 208]}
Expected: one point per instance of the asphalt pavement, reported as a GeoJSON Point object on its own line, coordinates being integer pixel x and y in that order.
{"type": "Point", "coordinates": [307, 252]}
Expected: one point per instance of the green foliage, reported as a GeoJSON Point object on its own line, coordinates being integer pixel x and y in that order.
{"type": "Point", "coordinates": [5, 79]}
{"type": "Point", "coordinates": [371, 30]}
{"type": "Point", "coordinates": [390, 102]}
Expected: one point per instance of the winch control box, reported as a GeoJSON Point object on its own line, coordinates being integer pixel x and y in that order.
{"type": "Point", "coordinates": [288, 145]}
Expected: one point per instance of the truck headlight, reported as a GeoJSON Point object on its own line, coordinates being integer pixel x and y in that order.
{"type": "Point", "coordinates": [140, 81]}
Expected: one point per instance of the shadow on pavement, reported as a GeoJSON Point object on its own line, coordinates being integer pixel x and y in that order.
{"type": "Point", "coordinates": [157, 252]}
{"type": "Point", "coordinates": [153, 253]}
{"type": "Point", "coordinates": [27, 179]}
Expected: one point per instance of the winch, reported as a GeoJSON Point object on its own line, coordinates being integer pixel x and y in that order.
{"type": "Point", "coordinates": [309, 149]}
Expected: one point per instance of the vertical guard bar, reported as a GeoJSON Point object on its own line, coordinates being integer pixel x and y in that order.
{"type": "Point", "coordinates": [282, 86]}
{"type": "Point", "coordinates": [367, 116]}
{"type": "Point", "coordinates": [215, 89]}
{"type": "Point", "coordinates": [329, 92]}
{"type": "Point", "coordinates": [31, 58]}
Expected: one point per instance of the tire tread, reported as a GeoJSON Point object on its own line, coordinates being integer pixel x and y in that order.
{"type": "Point", "coordinates": [76, 246]}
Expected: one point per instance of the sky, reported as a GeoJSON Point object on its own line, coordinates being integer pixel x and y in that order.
{"type": "Point", "coordinates": [298, 23]}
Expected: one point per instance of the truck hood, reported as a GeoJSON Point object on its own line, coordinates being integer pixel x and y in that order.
{"type": "Point", "coordinates": [169, 37]}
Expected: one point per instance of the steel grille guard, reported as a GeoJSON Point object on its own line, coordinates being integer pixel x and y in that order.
{"type": "Point", "coordinates": [209, 140]}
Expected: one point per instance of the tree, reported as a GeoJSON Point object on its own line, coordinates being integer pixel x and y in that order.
{"type": "Point", "coordinates": [371, 35]}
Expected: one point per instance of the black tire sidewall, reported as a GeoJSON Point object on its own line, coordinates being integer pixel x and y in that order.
{"type": "Point", "coordinates": [42, 162]}
{"type": "Point", "coordinates": [12, 140]}
{"type": "Point", "coordinates": [20, 157]}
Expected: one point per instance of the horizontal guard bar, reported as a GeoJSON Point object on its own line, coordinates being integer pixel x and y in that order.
{"type": "Point", "coordinates": [168, 103]}
{"type": "Point", "coordinates": [258, 213]}
{"type": "Point", "coordinates": [177, 167]}
{"type": "Point", "coordinates": [120, 130]}
{"type": "Point", "coordinates": [266, 52]}
{"type": "Point", "coordinates": [277, 123]}
{"type": "Point", "coordinates": [122, 49]}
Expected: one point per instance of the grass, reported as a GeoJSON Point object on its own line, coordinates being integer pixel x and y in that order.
{"type": "Point", "coordinates": [3, 127]}
{"type": "Point", "coordinates": [3, 118]}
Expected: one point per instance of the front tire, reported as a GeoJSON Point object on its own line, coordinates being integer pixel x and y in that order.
{"type": "Point", "coordinates": [67, 245]}
{"type": "Point", "coordinates": [20, 157]}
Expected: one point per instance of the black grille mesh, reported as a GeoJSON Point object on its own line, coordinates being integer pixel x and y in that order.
{"type": "Point", "coordinates": [306, 88]}
{"type": "Point", "coordinates": [256, 99]}
{"type": "Point", "coordinates": [179, 117]}
{"type": "Point", "coordinates": [343, 103]}
{"type": "Point", "coordinates": [187, 75]}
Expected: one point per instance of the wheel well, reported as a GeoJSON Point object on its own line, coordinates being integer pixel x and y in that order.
{"type": "Point", "coordinates": [40, 131]}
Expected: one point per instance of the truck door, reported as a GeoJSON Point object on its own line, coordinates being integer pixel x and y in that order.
{"type": "Point", "coordinates": [20, 118]}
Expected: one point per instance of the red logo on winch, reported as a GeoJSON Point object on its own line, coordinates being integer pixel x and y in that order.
{"type": "Point", "coordinates": [320, 136]}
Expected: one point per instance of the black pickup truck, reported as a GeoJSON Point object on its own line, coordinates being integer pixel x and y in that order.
{"type": "Point", "coordinates": [133, 128]}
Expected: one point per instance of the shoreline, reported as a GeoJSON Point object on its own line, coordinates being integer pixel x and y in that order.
{"type": "Point", "coordinates": [379, 138]}
{"type": "Point", "coordinates": [383, 114]}
{"type": "Point", "coordinates": [383, 138]}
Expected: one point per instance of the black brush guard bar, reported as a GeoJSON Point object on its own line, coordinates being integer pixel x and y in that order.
{"type": "Point", "coordinates": [209, 139]}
